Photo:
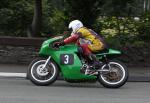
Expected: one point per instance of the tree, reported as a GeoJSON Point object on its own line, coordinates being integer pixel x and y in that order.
{"type": "Point", "coordinates": [85, 10]}
{"type": "Point", "coordinates": [15, 16]}
{"type": "Point", "coordinates": [146, 5]}
{"type": "Point", "coordinates": [117, 8]}
{"type": "Point", "coordinates": [34, 29]}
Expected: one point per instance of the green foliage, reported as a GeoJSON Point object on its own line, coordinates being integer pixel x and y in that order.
{"type": "Point", "coordinates": [144, 27]}
{"type": "Point", "coordinates": [85, 10]}
{"type": "Point", "coordinates": [56, 22]}
{"type": "Point", "coordinates": [118, 25]}
{"type": "Point", "coordinates": [15, 16]}
{"type": "Point", "coordinates": [119, 7]}
{"type": "Point", "coordinates": [53, 20]}
{"type": "Point", "coordinates": [120, 31]}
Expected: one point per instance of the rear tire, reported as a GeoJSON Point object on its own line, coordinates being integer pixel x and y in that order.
{"type": "Point", "coordinates": [108, 81]}
{"type": "Point", "coordinates": [39, 77]}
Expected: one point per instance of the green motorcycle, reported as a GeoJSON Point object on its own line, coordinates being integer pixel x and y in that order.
{"type": "Point", "coordinates": [73, 68]}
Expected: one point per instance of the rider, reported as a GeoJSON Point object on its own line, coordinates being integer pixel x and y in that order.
{"type": "Point", "coordinates": [88, 41]}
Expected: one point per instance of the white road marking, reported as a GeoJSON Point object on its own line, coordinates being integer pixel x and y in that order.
{"type": "Point", "coordinates": [6, 74]}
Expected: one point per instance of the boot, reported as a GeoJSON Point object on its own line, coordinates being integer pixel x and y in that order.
{"type": "Point", "coordinates": [93, 61]}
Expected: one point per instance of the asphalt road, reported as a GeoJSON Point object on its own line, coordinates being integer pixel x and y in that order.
{"type": "Point", "coordinates": [19, 90]}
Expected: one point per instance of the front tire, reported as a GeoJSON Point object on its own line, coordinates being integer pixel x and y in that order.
{"type": "Point", "coordinates": [117, 76]}
{"type": "Point", "coordinates": [40, 76]}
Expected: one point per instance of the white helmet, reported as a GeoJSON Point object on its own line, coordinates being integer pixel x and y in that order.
{"type": "Point", "coordinates": [75, 25]}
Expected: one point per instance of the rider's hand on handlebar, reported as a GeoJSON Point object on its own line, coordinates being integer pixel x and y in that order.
{"type": "Point", "coordinates": [58, 44]}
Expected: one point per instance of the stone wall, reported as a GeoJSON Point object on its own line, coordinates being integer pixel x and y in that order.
{"type": "Point", "coordinates": [19, 50]}
{"type": "Point", "coordinates": [140, 55]}
{"type": "Point", "coordinates": [137, 55]}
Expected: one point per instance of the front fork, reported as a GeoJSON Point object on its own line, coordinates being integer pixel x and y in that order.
{"type": "Point", "coordinates": [47, 61]}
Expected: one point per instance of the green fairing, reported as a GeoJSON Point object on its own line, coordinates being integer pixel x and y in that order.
{"type": "Point", "coordinates": [69, 72]}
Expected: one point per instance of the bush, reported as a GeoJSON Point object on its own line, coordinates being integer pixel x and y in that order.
{"type": "Point", "coordinates": [122, 31]}
{"type": "Point", "coordinates": [15, 17]}
{"type": "Point", "coordinates": [57, 21]}
{"type": "Point", "coordinates": [144, 27]}
{"type": "Point", "coordinates": [53, 19]}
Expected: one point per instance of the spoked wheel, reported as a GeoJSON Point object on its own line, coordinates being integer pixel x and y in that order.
{"type": "Point", "coordinates": [42, 75]}
{"type": "Point", "coordinates": [116, 77]}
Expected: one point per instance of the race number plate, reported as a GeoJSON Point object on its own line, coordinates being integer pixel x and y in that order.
{"type": "Point", "coordinates": [67, 59]}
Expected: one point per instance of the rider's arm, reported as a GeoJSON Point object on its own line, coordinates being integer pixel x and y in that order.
{"type": "Point", "coordinates": [72, 38]}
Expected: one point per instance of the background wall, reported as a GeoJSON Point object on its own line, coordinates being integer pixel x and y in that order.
{"type": "Point", "coordinates": [19, 50]}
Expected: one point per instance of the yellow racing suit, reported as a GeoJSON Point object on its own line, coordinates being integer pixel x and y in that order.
{"type": "Point", "coordinates": [95, 42]}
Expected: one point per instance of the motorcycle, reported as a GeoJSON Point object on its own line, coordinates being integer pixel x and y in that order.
{"type": "Point", "coordinates": [73, 68]}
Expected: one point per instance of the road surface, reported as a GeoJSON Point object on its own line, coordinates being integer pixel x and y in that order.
{"type": "Point", "coordinates": [20, 90]}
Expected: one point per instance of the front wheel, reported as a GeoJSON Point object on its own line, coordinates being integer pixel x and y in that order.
{"type": "Point", "coordinates": [42, 76]}
{"type": "Point", "coordinates": [116, 77]}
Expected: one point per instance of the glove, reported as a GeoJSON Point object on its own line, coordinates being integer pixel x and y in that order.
{"type": "Point", "coordinates": [58, 44]}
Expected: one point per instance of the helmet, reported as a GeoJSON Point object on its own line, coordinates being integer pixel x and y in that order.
{"type": "Point", "coordinates": [75, 25]}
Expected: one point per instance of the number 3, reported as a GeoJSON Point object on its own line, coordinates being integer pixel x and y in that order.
{"type": "Point", "coordinates": [66, 61]}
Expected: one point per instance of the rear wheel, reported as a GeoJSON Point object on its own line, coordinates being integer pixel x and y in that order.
{"type": "Point", "coordinates": [116, 77]}
{"type": "Point", "coordinates": [42, 76]}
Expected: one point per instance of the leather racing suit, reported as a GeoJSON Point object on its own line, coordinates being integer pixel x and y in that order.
{"type": "Point", "coordinates": [87, 39]}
